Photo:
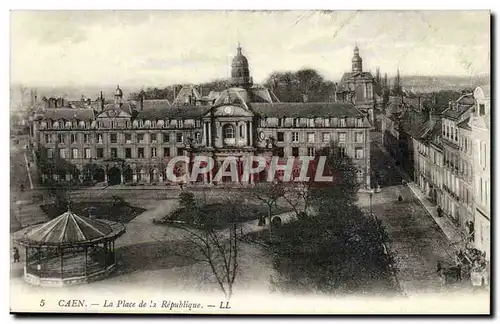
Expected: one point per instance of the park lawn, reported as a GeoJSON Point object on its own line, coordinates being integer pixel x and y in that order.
{"type": "Point", "coordinates": [223, 219]}
{"type": "Point", "coordinates": [117, 212]}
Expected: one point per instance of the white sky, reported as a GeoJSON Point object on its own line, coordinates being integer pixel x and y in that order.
{"type": "Point", "coordinates": [154, 48]}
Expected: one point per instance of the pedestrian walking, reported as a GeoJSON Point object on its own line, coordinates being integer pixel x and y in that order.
{"type": "Point", "coordinates": [440, 211]}
{"type": "Point", "coordinates": [16, 254]}
{"type": "Point", "coordinates": [400, 198]}
{"type": "Point", "coordinates": [21, 187]}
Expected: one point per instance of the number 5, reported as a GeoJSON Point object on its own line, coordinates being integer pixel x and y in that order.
{"type": "Point", "coordinates": [42, 302]}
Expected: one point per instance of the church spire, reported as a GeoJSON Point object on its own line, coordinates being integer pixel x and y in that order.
{"type": "Point", "coordinates": [240, 71]}
{"type": "Point", "coordinates": [357, 62]}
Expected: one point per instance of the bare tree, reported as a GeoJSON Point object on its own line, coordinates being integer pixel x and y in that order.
{"type": "Point", "coordinates": [218, 248]}
{"type": "Point", "coordinates": [298, 196]}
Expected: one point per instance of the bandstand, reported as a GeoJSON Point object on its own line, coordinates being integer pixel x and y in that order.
{"type": "Point", "coordinates": [70, 249]}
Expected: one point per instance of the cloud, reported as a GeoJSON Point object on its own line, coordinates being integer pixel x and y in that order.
{"type": "Point", "coordinates": [95, 47]}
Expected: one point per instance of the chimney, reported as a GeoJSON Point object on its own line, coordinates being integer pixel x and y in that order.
{"type": "Point", "coordinates": [102, 102]}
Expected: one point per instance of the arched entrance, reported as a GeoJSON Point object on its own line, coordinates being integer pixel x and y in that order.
{"type": "Point", "coordinates": [99, 175]}
{"type": "Point", "coordinates": [128, 174]}
{"type": "Point", "coordinates": [114, 176]}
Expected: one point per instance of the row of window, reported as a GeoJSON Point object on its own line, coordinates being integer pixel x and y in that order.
{"type": "Point", "coordinates": [450, 132]}
{"type": "Point", "coordinates": [128, 138]}
{"type": "Point", "coordinates": [325, 137]}
{"type": "Point", "coordinates": [114, 152]}
{"type": "Point", "coordinates": [311, 151]}
{"type": "Point", "coordinates": [180, 123]}
{"type": "Point", "coordinates": [137, 123]}
{"type": "Point", "coordinates": [154, 152]}
{"type": "Point", "coordinates": [312, 122]}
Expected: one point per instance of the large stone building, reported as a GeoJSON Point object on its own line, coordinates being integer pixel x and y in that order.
{"type": "Point", "coordinates": [132, 142]}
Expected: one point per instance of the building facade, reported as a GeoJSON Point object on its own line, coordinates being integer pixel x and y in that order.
{"type": "Point", "coordinates": [132, 142]}
{"type": "Point", "coordinates": [428, 153]}
{"type": "Point", "coordinates": [457, 170]}
{"type": "Point", "coordinates": [480, 124]}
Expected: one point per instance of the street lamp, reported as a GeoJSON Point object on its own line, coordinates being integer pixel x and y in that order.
{"type": "Point", "coordinates": [371, 202]}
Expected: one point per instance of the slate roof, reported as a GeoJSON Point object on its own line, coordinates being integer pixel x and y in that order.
{"type": "Point", "coordinates": [465, 124]}
{"type": "Point", "coordinates": [77, 104]}
{"type": "Point", "coordinates": [126, 107]}
{"type": "Point", "coordinates": [308, 109]}
{"type": "Point", "coordinates": [239, 95]}
{"type": "Point", "coordinates": [68, 113]}
{"type": "Point", "coordinates": [70, 228]}
{"type": "Point", "coordinates": [154, 104]}
{"type": "Point", "coordinates": [174, 111]}
{"type": "Point", "coordinates": [459, 107]}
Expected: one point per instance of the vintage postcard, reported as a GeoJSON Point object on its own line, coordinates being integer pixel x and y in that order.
{"type": "Point", "coordinates": [250, 162]}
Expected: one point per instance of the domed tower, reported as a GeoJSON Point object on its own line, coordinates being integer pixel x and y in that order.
{"type": "Point", "coordinates": [240, 73]}
{"type": "Point", "coordinates": [357, 62]}
{"type": "Point", "coordinates": [118, 95]}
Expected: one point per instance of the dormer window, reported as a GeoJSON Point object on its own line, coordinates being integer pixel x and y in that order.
{"type": "Point", "coordinates": [359, 122]}
{"type": "Point", "coordinates": [153, 124]}
{"type": "Point", "coordinates": [141, 123]}
{"type": "Point", "coordinates": [295, 122]}
{"type": "Point", "coordinates": [310, 122]}
{"type": "Point", "coordinates": [343, 122]}
{"type": "Point", "coordinates": [281, 122]}
{"type": "Point", "coordinates": [180, 123]}
{"type": "Point", "coordinates": [166, 123]}
{"type": "Point", "coordinates": [327, 122]}
{"type": "Point", "coordinates": [147, 123]}
{"type": "Point", "coordinates": [482, 110]}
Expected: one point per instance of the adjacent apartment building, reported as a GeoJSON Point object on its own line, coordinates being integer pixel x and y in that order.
{"type": "Point", "coordinates": [480, 125]}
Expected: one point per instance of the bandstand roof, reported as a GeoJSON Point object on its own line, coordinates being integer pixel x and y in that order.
{"type": "Point", "coordinates": [71, 229]}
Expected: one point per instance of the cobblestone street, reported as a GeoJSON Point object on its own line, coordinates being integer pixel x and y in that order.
{"type": "Point", "coordinates": [417, 241]}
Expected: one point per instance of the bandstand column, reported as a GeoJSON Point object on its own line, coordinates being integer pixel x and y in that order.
{"type": "Point", "coordinates": [86, 250]}
{"type": "Point", "coordinates": [105, 255]}
{"type": "Point", "coordinates": [38, 265]}
{"type": "Point", "coordinates": [62, 264]}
